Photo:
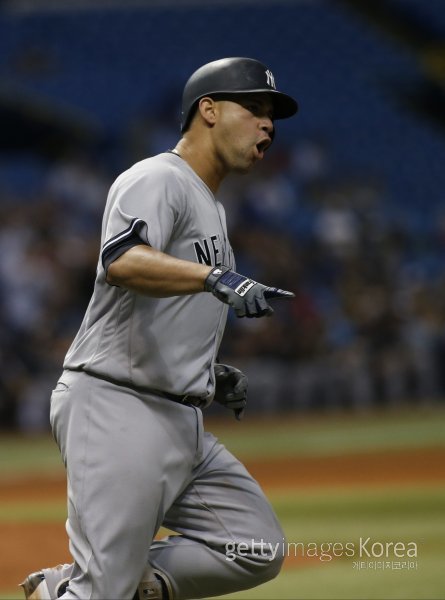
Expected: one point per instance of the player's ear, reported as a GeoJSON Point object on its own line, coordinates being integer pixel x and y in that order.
{"type": "Point", "coordinates": [207, 108]}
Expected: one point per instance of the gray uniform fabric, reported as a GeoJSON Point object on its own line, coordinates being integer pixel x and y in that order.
{"type": "Point", "coordinates": [135, 339]}
{"type": "Point", "coordinates": [136, 460]}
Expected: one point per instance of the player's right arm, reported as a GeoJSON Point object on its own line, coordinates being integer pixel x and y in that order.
{"type": "Point", "coordinates": [148, 271]}
{"type": "Point", "coordinates": [145, 270]}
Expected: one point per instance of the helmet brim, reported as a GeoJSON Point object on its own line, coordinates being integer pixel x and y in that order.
{"type": "Point", "coordinates": [284, 106]}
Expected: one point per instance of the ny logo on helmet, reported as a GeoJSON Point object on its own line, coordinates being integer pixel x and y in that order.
{"type": "Point", "coordinates": [270, 79]}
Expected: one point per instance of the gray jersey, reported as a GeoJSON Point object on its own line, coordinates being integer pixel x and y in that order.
{"type": "Point", "coordinates": [168, 344]}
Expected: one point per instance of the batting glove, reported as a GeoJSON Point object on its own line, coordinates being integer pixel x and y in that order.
{"type": "Point", "coordinates": [231, 389]}
{"type": "Point", "coordinates": [246, 296]}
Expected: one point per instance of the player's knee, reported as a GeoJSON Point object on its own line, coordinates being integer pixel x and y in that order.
{"type": "Point", "coordinates": [274, 550]}
{"type": "Point", "coordinates": [265, 559]}
{"type": "Point", "coordinates": [270, 565]}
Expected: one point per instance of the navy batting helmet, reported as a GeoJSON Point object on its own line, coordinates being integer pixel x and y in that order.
{"type": "Point", "coordinates": [237, 75]}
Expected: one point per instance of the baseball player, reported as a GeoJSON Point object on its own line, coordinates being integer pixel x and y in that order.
{"type": "Point", "coordinates": [127, 411]}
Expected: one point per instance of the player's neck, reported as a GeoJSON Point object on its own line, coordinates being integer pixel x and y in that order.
{"type": "Point", "coordinates": [200, 158]}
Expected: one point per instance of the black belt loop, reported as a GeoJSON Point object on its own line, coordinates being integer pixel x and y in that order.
{"type": "Point", "coordinates": [185, 399]}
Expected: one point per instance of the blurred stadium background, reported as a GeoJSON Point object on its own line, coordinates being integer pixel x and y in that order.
{"type": "Point", "coordinates": [348, 211]}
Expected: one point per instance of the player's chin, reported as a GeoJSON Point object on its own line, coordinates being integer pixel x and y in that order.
{"type": "Point", "coordinates": [246, 165]}
{"type": "Point", "coordinates": [243, 170]}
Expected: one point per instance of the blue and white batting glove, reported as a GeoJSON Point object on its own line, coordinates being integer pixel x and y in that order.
{"type": "Point", "coordinates": [247, 297]}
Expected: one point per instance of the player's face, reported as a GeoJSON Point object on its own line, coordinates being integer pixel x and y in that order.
{"type": "Point", "coordinates": [243, 131]}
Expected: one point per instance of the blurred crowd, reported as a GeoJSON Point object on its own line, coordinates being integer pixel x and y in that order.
{"type": "Point", "coordinates": [366, 327]}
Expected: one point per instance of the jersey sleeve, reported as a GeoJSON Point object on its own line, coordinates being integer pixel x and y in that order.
{"type": "Point", "coordinates": [141, 209]}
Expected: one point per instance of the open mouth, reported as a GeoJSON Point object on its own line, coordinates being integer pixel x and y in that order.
{"type": "Point", "coordinates": [263, 146]}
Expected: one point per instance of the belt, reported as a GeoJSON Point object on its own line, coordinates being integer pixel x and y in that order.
{"type": "Point", "coordinates": [187, 399]}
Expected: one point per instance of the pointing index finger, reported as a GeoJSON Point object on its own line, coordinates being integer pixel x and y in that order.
{"type": "Point", "coordinates": [273, 292]}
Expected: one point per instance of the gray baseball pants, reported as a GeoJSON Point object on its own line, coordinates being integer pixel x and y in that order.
{"type": "Point", "coordinates": [136, 461]}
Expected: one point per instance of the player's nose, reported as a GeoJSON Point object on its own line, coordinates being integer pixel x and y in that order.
{"type": "Point", "coordinates": [266, 124]}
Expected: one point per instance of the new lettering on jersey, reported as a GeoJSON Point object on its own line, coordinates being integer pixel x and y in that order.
{"type": "Point", "coordinates": [208, 255]}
